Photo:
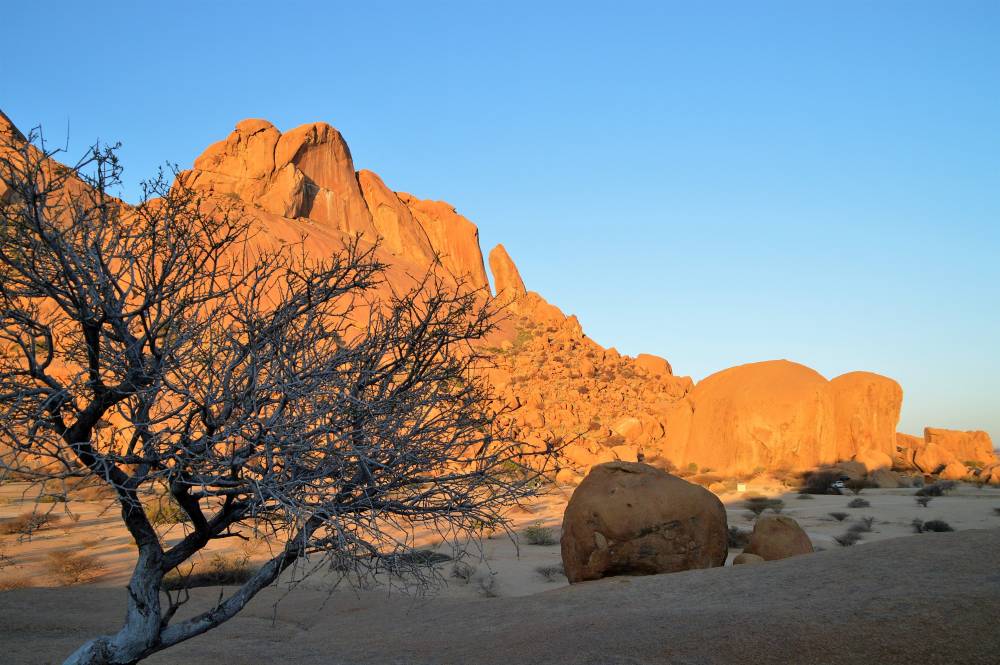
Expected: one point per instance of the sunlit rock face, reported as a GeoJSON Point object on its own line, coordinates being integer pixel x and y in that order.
{"type": "Point", "coordinates": [867, 408]}
{"type": "Point", "coordinates": [307, 174]}
{"type": "Point", "coordinates": [971, 446]}
{"type": "Point", "coordinates": [302, 186]}
{"type": "Point", "coordinates": [773, 414]}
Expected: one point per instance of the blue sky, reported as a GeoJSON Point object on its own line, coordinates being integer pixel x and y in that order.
{"type": "Point", "coordinates": [717, 184]}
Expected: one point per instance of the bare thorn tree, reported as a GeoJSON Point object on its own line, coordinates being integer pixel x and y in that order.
{"type": "Point", "coordinates": [163, 351]}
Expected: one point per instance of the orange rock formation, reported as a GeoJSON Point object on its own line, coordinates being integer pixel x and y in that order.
{"type": "Point", "coordinates": [302, 185]}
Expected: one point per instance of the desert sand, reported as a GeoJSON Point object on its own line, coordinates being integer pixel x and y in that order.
{"type": "Point", "coordinates": [940, 592]}
{"type": "Point", "coordinates": [927, 599]}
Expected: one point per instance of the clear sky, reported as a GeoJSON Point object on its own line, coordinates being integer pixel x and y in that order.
{"type": "Point", "coordinates": [717, 183]}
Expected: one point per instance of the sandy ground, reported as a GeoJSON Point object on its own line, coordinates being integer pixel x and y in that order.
{"type": "Point", "coordinates": [512, 565]}
{"type": "Point", "coordinates": [922, 600]}
{"type": "Point", "coordinates": [908, 582]}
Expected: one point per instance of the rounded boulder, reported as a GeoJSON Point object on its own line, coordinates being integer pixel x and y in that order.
{"type": "Point", "coordinates": [747, 559]}
{"type": "Point", "coordinates": [629, 518]}
{"type": "Point", "coordinates": [778, 537]}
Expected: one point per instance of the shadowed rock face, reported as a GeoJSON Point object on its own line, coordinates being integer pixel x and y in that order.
{"type": "Point", "coordinates": [633, 519]}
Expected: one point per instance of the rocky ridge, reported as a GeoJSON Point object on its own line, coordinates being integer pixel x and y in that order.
{"type": "Point", "coordinates": [603, 406]}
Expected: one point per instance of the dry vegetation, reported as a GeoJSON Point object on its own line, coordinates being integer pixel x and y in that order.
{"type": "Point", "coordinates": [70, 568]}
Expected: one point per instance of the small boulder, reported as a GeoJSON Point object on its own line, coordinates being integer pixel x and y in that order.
{"type": "Point", "coordinates": [885, 479]}
{"type": "Point", "coordinates": [954, 471]}
{"type": "Point", "coordinates": [747, 558]}
{"type": "Point", "coordinates": [991, 475]}
{"type": "Point", "coordinates": [852, 469]}
{"type": "Point", "coordinates": [654, 364]}
{"type": "Point", "coordinates": [634, 519]}
{"type": "Point", "coordinates": [629, 427]}
{"type": "Point", "coordinates": [778, 537]}
{"type": "Point", "coordinates": [932, 458]}
{"type": "Point", "coordinates": [873, 459]}
{"type": "Point", "coordinates": [626, 453]}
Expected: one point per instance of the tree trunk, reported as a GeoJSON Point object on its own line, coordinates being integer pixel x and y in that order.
{"type": "Point", "coordinates": [140, 635]}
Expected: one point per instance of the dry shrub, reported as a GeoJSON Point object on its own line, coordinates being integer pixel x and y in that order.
{"type": "Point", "coordinates": [859, 503]}
{"type": "Point", "coordinates": [856, 485]}
{"type": "Point", "coordinates": [820, 482]}
{"type": "Point", "coordinates": [922, 501]}
{"type": "Point", "coordinates": [11, 583]}
{"type": "Point", "coordinates": [938, 488]}
{"type": "Point", "coordinates": [537, 534]}
{"type": "Point", "coordinates": [99, 491]}
{"type": "Point", "coordinates": [486, 583]}
{"type": "Point", "coordinates": [551, 573]}
{"type": "Point", "coordinates": [463, 572]}
{"type": "Point", "coordinates": [758, 504]}
{"type": "Point", "coordinates": [52, 498]}
{"type": "Point", "coordinates": [70, 568]}
{"type": "Point", "coordinates": [26, 524]}
{"type": "Point", "coordinates": [164, 511]}
{"type": "Point", "coordinates": [939, 526]}
{"type": "Point", "coordinates": [840, 517]}
{"type": "Point", "coordinates": [220, 570]}
{"type": "Point", "coordinates": [848, 539]}
{"type": "Point", "coordinates": [737, 539]}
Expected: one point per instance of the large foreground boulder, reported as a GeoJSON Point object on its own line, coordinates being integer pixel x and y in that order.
{"type": "Point", "coordinates": [628, 518]}
{"type": "Point", "coordinates": [777, 537]}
